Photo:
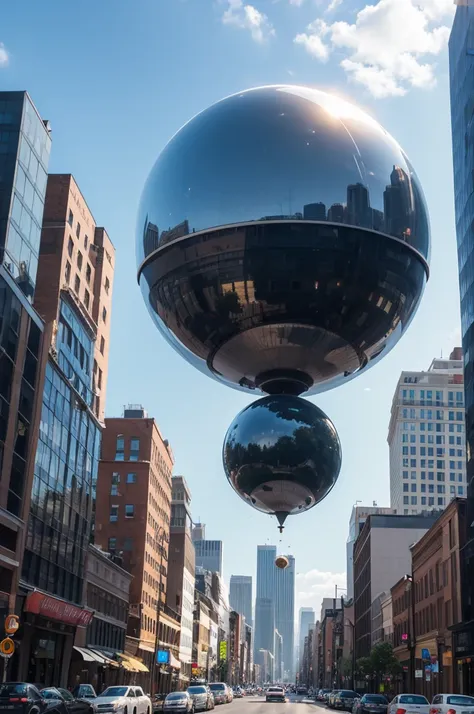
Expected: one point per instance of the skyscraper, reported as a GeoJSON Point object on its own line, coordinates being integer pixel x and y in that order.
{"type": "Point", "coordinates": [285, 614]}
{"type": "Point", "coordinates": [275, 596]}
{"type": "Point", "coordinates": [209, 554]}
{"type": "Point", "coordinates": [305, 620]}
{"type": "Point", "coordinates": [461, 61]}
{"type": "Point", "coordinates": [427, 437]}
{"type": "Point", "coordinates": [240, 596]}
{"type": "Point", "coordinates": [359, 516]}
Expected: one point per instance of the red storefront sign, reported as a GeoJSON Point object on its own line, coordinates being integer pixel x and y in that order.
{"type": "Point", "coordinates": [47, 606]}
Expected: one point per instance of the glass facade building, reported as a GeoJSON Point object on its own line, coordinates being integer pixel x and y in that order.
{"type": "Point", "coordinates": [461, 60]}
{"type": "Point", "coordinates": [25, 145]}
{"type": "Point", "coordinates": [65, 472]}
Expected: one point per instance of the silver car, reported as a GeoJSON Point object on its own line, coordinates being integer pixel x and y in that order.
{"type": "Point", "coordinates": [202, 697]}
{"type": "Point", "coordinates": [178, 702]}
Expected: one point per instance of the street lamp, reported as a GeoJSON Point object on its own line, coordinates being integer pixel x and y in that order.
{"type": "Point", "coordinates": [160, 535]}
{"type": "Point", "coordinates": [411, 626]}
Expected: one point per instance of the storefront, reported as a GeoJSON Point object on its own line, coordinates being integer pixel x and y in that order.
{"type": "Point", "coordinates": [48, 628]}
{"type": "Point", "coordinates": [463, 649]}
{"type": "Point", "coordinates": [95, 667]}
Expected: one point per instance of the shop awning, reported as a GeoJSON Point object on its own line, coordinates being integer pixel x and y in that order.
{"type": "Point", "coordinates": [103, 658]}
{"type": "Point", "coordinates": [86, 655]}
{"type": "Point", "coordinates": [145, 647]}
{"type": "Point", "coordinates": [175, 663]}
{"type": "Point", "coordinates": [132, 664]}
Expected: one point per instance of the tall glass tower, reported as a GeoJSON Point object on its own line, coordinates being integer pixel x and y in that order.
{"type": "Point", "coordinates": [461, 59]}
{"type": "Point", "coordinates": [240, 596]}
{"type": "Point", "coordinates": [285, 614]}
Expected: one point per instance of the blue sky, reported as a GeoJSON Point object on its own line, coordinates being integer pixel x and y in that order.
{"type": "Point", "coordinates": [116, 79]}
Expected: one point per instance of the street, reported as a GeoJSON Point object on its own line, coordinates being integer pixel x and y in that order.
{"type": "Point", "coordinates": [258, 705]}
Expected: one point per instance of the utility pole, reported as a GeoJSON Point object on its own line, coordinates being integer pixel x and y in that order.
{"type": "Point", "coordinates": [160, 534]}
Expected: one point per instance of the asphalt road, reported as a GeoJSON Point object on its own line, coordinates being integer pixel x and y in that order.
{"type": "Point", "coordinates": [258, 705]}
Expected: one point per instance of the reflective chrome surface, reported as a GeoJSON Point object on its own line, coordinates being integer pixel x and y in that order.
{"type": "Point", "coordinates": [282, 562]}
{"type": "Point", "coordinates": [287, 241]}
{"type": "Point", "coordinates": [282, 455]}
{"type": "Point", "coordinates": [281, 152]}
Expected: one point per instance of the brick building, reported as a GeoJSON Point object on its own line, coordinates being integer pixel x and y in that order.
{"type": "Point", "coordinates": [133, 519]}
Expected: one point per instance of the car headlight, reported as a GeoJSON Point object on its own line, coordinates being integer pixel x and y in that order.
{"type": "Point", "coordinates": [117, 705]}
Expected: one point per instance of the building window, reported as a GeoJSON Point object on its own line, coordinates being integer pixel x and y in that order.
{"type": "Point", "coordinates": [79, 260]}
{"type": "Point", "coordinates": [131, 478]}
{"type": "Point", "coordinates": [86, 242]}
{"type": "Point", "coordinates": [134, 448]}
{"type": "Point", "coordinates": [67, 272]}
{"type": "Point", "coordinates": [119, 448]}
{"type": "Point", "coordinates": [78, 230]}
{"type": "Point", "coordinates": [112, 544]}
{"type": "Point", "coordinates": [129, 510]}
{"type": "Point", "coordinates": [102, 345]}
{"type": "Point", "coordinates": [88, 273]}
{"type": "Point", "coordinates": [104, 314]}
{"type": "Point", "coordinates": [107, 285]}
{"type": "Point", "coordinates": [128, 544]}
{"type": "Point", "coordinates": [77, 284]}
{"type": "Point", "coordinates": [70, 219]}
{"type": "Point", "coordinates": [114, 490]}
{"type": "Point", "coordinates": [87, 298]}
{"type": "Point", "coordinates": [70, 247]}
{"type": "Point", "coordinates": [114, 514]}
{"type": "Point", "coordinates": [99, 379]}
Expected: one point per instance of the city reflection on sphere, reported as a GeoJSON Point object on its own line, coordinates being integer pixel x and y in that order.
{"type": "Point", "coordinates": [282, 562]}
{"type": "Point", "coordinates": [282, 455]}
{"type": "Point", "coordinates": [283, 241]}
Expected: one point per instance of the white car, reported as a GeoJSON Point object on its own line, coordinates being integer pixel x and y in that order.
{"type": "Point", "coordinates": [409, 704]}
{"type": "Point", "coordinates": [123, 700]}
{"type": "Point", "coordinates": [275, 694]}
{"type": "Point", "coordinates": [452, 703]}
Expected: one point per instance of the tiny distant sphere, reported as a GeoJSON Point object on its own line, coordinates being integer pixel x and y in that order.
{"type": "Point", "coordinates": [282, 562]}
{"type": "Point", "coordinates": [283, 241]}
{"type": "Point", "coordinates": [282, 455]}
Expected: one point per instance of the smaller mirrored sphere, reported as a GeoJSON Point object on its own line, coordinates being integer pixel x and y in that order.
{"type": "Point", "coordinates": [282, 455]}
{"type": "Point", "coordinates": [282, 562]}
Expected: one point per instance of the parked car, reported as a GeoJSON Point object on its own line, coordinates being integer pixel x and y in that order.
{"type": "Point", "coordinates": [302, 690]}
{"type": "Point", "coordinates": [63, 701]}
{"type": "Point", "coordinates": [21, 698]}
{"type": "Point", "coordinates": [219, 690]}
{"type": "Point", "coordinates": [344, 699]}
{"type": "Point", "coordinates": [84, 691]}
{"type": "Point", "coordinates": [157, 702]}
{"type": "Point", "coordinates": [370, 704]}
{"type": "Point", "coordinates": [452, 703]}
{"type": "Point", "coordinates": [330, 698]}
{"type": "Point", "coordinates": [179, 702]}
{"type": "Point", "coordinates": [202, 697]}
{"type": "Point", "coordinates": [238, 693]}
{"type": "Point", "coordinates": [123, 700]}
{"type": "Point", "coordinates": [409, 704]}
{"type": "Point", "coordinates": [230, 694]}
{"type": "Point", "coordinates": [275, 694]}
{"type": "Point", "coordinates": [322, 694]}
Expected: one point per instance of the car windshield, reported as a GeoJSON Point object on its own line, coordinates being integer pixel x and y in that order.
{"type": "Point", "coordinates": [115, 692]}
{"type": "Point", "coordinates": [275, 689]}
{"type": "Point", "coordinates": [413, 699]}
{"type": "Point", "coordinates": [84, 690]}
{"type": "Point", "coordinates": [375, 699]}
{"type": "Point", "coordinates": [176, 695]}
{"type": "Point", "coordinates": [197, 690]}
{"type": "Point", "coordinates": [6, 690]}
{"type": "Point", "coordinates": [216, 687]}
{"type": "Point", "coordinates": [50, 694]}
{"type": "Point", "coordinates": [460, 701]}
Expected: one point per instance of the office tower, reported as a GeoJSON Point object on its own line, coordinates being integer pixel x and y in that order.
{"type": "Point", "coordinates": [209, 554]}
{"type": "Point", "coordinates": [358, 517]}
{"type": "Point", "coordinates": [427, 437]}
{"type": "Point", "coordinates": [133, 519]}
{"type": "Point", "coordinates": [199, 531]}
{"type": "Point", "coordinates": [265, 600]}
{"type": "Point", "coordinates": [358, 206]}
{"type": "Point", "coordinates": [381, 557]}
{"type": "Point", "coordinates": [314, 212]}
{"type": "Point", "coordinates": [60, 524]}
{"type": "Point", "coordinates": [285, 614]}
{"type": "Point", "coordinates": [181, 569]}
{"type": "Point", "coordinates": [25, 145]}
{"type": "Point", "coordinates": [240, 596]}
{"type": "Point", "coordinates": [461, 61]}
{"type": "Point", "coordinates": [278, 658]}
{"type": "Point", "coordinates": [305, 620]}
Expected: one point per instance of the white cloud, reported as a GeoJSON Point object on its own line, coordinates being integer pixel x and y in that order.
{"type": "Point", "coordinates": [4, 56]}
{"type": "Point", "coordinates": [367, 389]}
{"type": "Point", "coordinates": [333, 5]}
{"type": "Point", "coordinates": [379, 55]}
{"type": "Point", "coordinates": [313, 586]}
{"type": "Point", "coordinates": [298, 3]}
{"type": "Point", "coordinates": [247, 17]}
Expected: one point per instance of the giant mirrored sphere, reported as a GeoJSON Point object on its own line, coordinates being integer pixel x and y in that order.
{"type": "Point", "coordinates": [282, 455]}
{"type": "Point", "coordinates": [283, 241]}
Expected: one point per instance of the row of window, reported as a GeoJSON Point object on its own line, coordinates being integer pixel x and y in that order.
{"type": "Point", "coordinates": [120, 448]}
{"type": "Point", "coordinates": [429, 451]}
{"type": "Point", "coordinates": [440, 476]}
{"type": "Point", "coordinates": [129, 478]}
{"type": "Point", "coordinates": [439, 414]}
{"type": "Point", "coordinates": [424, 501]}
{"type": "Point", "coordinates": [126, 545]}
{"type": "Point", "coordinates": [428, 394]}
{"type": "Point", "coordinates": [441, 488]}
{"type": "Point", "coordinates": [430, 439]}
{"type": "Point", "coordinates": [114, 512]}
{"type": "Point", "coordinates": [430, 464]}
{"type": "Point", "coordinates": [430, 426]}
